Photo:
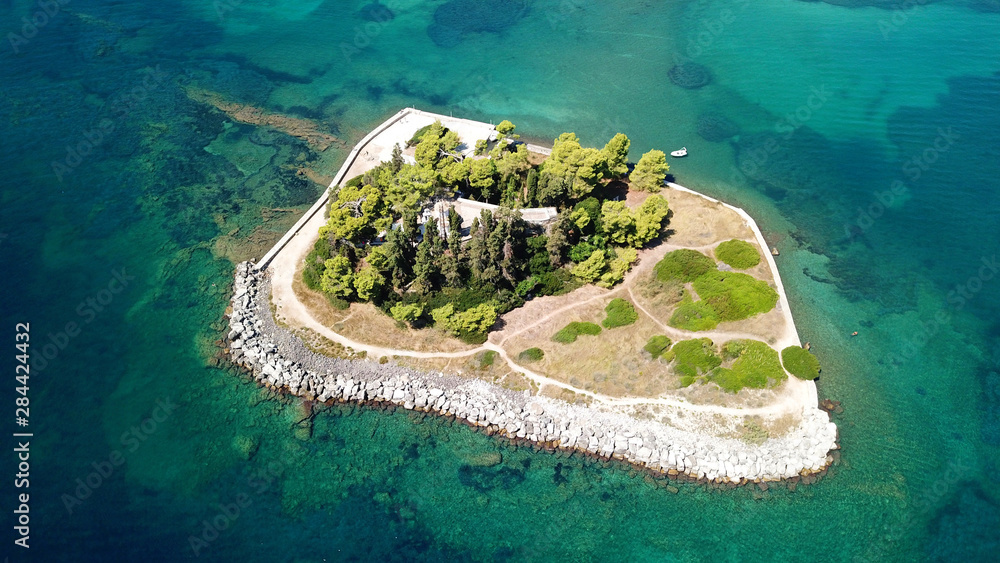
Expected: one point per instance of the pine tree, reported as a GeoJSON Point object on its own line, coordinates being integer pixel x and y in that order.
{"type": "Point", "coordinates": [454, 232]}
{"type": "Point", "coordinates": [531, 197]}
{"type": "Point", "coordinates": [397, 158]}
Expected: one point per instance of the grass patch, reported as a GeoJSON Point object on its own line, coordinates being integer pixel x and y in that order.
{"type": "Point", "coordinates": [800, 362]}
{"type": "Point", "coordinates": [755, 365]}
{"type": "Point", "coordinates": [738, 253]}
{"type": "Point", "coordinates": [694, 315]}
{"type": "Point", "coordinates": [570, 332]}
{"type": "Point", "coordinates": [531, 355]}
{"type": "Point", "coordinates": [487, 358]}
{"type": "Point", "coordinates": [684, 265]}
{"type": "Point", "coordinates": [693, 358]}
{"type": "Point", "coordinates": [620, 313]}
{"type": "Point", "coordinates": [753, 432]}
{"type": "Point", "coordinates": [418, 136]}
{"type": "Point", "coordinates": [735, 296]}
{"type": "Point", "coordinates": [657, 345]}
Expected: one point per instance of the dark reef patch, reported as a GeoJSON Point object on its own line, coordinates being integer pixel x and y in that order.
{"type": "Point", "coordinates": [690, 75]}
{"type": "Point", "coordinates": [456, 18]}
{"type": "Point", "coordinates": [485, 479]}
{"type": "Point", "coordinates": [716, 127]}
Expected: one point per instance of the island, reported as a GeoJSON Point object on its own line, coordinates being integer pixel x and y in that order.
{"type": "Point", "coordinates": [560, 296]}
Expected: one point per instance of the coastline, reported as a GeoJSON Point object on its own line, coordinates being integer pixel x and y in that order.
{"type": "Point", "coordinates": [597, 429]}
{"type": "Point", "coordinates": [279, 359]}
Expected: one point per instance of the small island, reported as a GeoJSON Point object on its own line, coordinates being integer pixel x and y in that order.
{"type": "Point", "coordinates": [562, 296]}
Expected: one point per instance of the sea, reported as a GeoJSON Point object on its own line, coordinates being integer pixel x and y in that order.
{"type": "Point", "coordinates": [862, 135]}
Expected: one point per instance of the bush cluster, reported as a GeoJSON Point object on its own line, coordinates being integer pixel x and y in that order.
{"type": "Point", "coordinates": [738, 253]}
{"type": "Point", "coordinates": [657, 345]}
{"type": "Point", "coordinates": [570, 332]}
{"type": "Point", "coordinates": [755, 365]}
{"type": "Point", "coordinates": [620, 313]}
{"type": "Point", "coordinates": [735, 296]}
{"type": "Point", "coordinates": [800, 362]}
{"type": "Point", "coordinates": [693, 358]}
{"type": "Point", "coordinates": [685, 265]}
{"type": "Point", "coordinates": [531, 355]}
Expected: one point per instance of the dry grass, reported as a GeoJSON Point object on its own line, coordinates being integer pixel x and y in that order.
{"type": "Point", "coordinates": [695, 221]}
{"type": "Point", "coordinates": [611, 363]}
{"type": "Point", "coordinates": [364, 323]}
{"type": "Point", "coordinates": [565, 395]}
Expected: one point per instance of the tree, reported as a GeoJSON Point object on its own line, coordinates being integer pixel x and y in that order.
{"type": "Point", "coordinates": [618, 222]}
{"type": "Point", "coordinates": [481, 146]}
{"type": "Point", "coordinates": [558, 238]}
{"type": "Point", "coordinates": [424, 268]}
{"type": "Point", "coordinates": [618, 267]}
{"type": "Point", "coordinates": [410, 187]}
{"type": "Point", "coordinates": [337, 277]}
{"type": "Point", "coordinates": [482, 176]}
{"type": "Point", "coordinates": [450, 269]}
{"type": "Point", "coordinates": [512, 164]}
{"type": "Point", "coordinates": [505, 128]}
{"type": "Point", "coordinates": [406, 313]}
{"type": "Point", "coordinates": [454, 231]}
{"type": "Point", "coordinates": [358, 214]}
{"type": "Point", "coordinates": [649, 220]}
{"type": "Point", "coordinates": [397, 252]}
{"type": "Point", "coordinates": [650, 172]}
{"type": "Point", "coordinates": [437, 147]}
{"type": "Point", "coordinates": [410, 227]}
{"type": "Point", "coordinates": [615, 157]}
{"type": "Point", "coordinates": [397, 158]}
{"type": "Point", "coordinates": [442, 316]}
{"type": "Point", "coordinates": [531, 190]}
{"type": "Point", "coordinates": [368, 283]}
{"type": "Point", "coordinates": [476, 320]}
{"type": "Point", "coordinates": [591, 269]}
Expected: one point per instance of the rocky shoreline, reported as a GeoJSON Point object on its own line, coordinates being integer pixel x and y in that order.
{"type": "Point", "coordinates": [279, 359]}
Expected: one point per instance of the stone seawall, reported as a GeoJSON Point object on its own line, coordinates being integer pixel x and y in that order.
{"type": "Point", "coordinates": [278, 358]}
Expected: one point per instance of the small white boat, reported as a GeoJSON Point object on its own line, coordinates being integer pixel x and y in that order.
{"type": "Point", "coordinates": [680, 153]}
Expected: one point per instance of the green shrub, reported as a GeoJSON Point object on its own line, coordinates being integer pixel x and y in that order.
{"type": "Point", "coordinates": [693, 315]}
{"type": "Point", "coordinates": [531, 355]}
{"type": "Point", "coordinates": [337, 302]}
{"type": "Point", "coordinates": [418, 136]}
{"type": "Point", "coordinates": [684, 265]}
{"type": "Point", "coordinates": [738, 254]}
{"type": "Point", "coordinates": [487, 358]}
{"type": "Point", "coordinates": [620, 313]}
{"type": "Point", "coordinates": [356, 181]}
{"type": "Point", "coordinates": [756, 366]}
{"type": "Point", "coordinates": [800, 362]}
{"type": "Point", "coordinates": [735, 296]}
{"type": "Point", "coordinates": [693, 357]}
{"type": "Point", "coordinates": [657, 345]}
{"type": "Point", "coordinates": [570, 332]}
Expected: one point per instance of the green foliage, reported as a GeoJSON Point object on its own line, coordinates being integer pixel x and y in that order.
{"type": "Point", "coordinates": [411, 186]}
{"type": "Point", "coordinates": [685, 265]}
{"type": "Point", "coordinates": [800, 362]}
{"type": "Point", "coordinates": [531, 355]}
{"type": "Point", "coordinates": [358, 214]}
{"type": "Point", "coordinates": [620, 313]}
{"type": "Point", "coordinates": [482, 176]}
{"type": "Point", "coordinates": [526, 286]}
{"type": "Point", "coordinates": [735, 296]}
{"type": "Point", "coordinates": [406, 313]}
{"type": "Point", "coordinates": [649, 220]}
{"type": "Point", "coordinates": [481, 146]}
{"type": "Point", "coordinates": [693, 315]}
{"type": "Point", "coordinates": [756, 366]}
{"type": "Point", "coordinates": [615, 156]}
{"type": "Point", "coordinates": [558, 282]}
{"type": "Point", "coordinates": [581, 251]}
{"type": "Point", "coordinates": [618, 222]}
{"type": "Point", "coordinates": [487, 358]}
{"type": "Point", "coordinates": [368, 283]}
{"type": "Point", "coordinates": [470, 323]}
{"type": "Point", "coordinates": [650, 172]}
{"type": "Point", "coordinates": [505, 128]}
{"type": "Point", "coordinates": [571, 170]}
{"type": "Point", "coordinates": [419, 134]}
{"type": "Point", "coordinates": [337, 277]}
{"type": "Point", "coordinates": [437, 147]}
{"type": "Point", "coordinates": [693, 357]}
{"type": "Point", "coordinates": [618, 267]}
{"type": "Point", "coordinates": [657, 345]}
{"type": "Point", "coordinates": [590, 270]}
{"type": "Point", "coordinates": [738, 253]}
{"type": "Point", "coordinates": [355, 182]}
{"type": "Point", "coordinates": [570, 332]}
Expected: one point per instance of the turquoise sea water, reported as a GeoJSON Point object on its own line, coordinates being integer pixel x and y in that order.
{"type": "Point", "coordinates": [867, 150]}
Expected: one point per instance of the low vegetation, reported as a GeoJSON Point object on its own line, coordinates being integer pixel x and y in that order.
{"type": "Point", "coordinates": [693, 358]}
{"type": "Point", "coordinates": [620, 313]}
{"type": "Point", "coordinates": [684, 265]}
{"type": "Point", "coordinates": [657, 345]}
{"type": "Point", "coordinates": [735, 296]}
{"type": "Point", "coordinates": [694, 315]}
{"type": "Point", "coordinates": [754, 365]}
{"type": "Point", "coordinates": [738, 253]}
{"type": "Point", "coordinates": [570, 332]}
{"type": "Point", "coordinates": [800, 362]}
{"type": "Point", "coordinates": [531, 355]}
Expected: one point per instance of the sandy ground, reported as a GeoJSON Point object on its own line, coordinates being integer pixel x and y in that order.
{"type": "Point", "coordinates": [794, 396]}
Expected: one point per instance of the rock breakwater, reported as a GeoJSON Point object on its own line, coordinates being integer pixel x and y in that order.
{"type": "Point", "coordinates": [279, 359]}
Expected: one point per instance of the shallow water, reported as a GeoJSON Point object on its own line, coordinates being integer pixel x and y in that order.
{"type": "Point", "coordinates": [833, 105]}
